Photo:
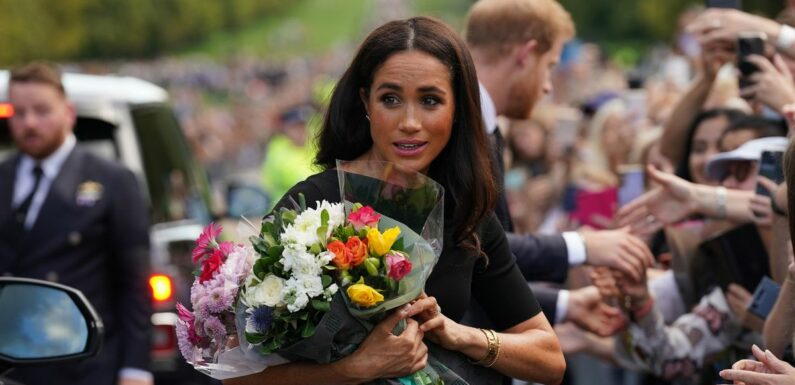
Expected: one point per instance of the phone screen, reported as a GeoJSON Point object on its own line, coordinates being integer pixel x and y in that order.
{"type": "Point", "coordinates": [764, 298]}
{"type": "Point", "coordinates": [636, 103]}
{"type": "Point", "coordinates": [733, 4]}
{"type": "Point", "coordinates": [632, 184]}
{"type": "Point", "coordinates": [770, 166]}
{"type": "Point", "coordinates": [566, 130]}
{"type": "Point", "coordinates": [750, 43]}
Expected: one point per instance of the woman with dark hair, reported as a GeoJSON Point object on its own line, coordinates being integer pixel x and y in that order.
{"type": "Point", "coordinates": [779, 330]}
{"type": "Point", "coordinates": [702, 143]}
{"type": "Point", "coordinates": [411, 97]}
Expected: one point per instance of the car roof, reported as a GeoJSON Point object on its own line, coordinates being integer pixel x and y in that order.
{"type": "Point", "coordinates": [110, 88]}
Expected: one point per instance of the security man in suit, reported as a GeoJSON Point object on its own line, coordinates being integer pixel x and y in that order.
{"type": "Point", "coordinates": [68, 216]}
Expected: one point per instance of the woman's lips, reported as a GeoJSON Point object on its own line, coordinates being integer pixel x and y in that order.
{"type": "Point", "coordinates": [409, 148]}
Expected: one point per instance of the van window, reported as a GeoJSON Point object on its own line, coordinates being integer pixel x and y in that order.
{"type": "Point", "coordinates": [94, 135]}
{"type": "Point", "coordinates": [178, 187]}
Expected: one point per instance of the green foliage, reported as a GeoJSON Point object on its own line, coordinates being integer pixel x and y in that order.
{"type": "Point", "coordinates": [80, 29]}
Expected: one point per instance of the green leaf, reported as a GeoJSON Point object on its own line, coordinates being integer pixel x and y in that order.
{"type": "Point", "coordinates": [326, 280]}
{"type": "Point", "coordinates": [324, 217]}
{"type": "Point", "coordinates": [309, 330]}
{"type": "Point", "coordinates": [302, 202]}
{"type": "Point", "coordinates": [275, 251]}
{"type": "Point", "coordinates": [261, 268]}
{"type": "Point", "coordinates": [398, 245]}
{"type": "Point", "coordinates": [255, 338]}
{"type": "Point", "coordinates": [321, 234]}
{"type": "Point", "coordinates": [321, 305]}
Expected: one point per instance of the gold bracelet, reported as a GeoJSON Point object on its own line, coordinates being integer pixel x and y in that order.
{"type": "Point", "coordinates": [493, 351]}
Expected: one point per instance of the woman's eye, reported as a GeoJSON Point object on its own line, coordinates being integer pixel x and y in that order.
{"type": "Point", "coordinates": [390, 99]}
{"type": "Point", "coordinates": [430, 100]}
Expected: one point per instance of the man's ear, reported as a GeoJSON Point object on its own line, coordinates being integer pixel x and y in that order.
{"type": "Point", "coordinates": [524, 50]}
{"type": "Point", "coordinates": [363, 97]}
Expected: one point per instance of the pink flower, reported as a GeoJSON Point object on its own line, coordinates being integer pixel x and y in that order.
{"type": "Point", "coordinates": [206, 241]}
{"type": "Point", "coordinates": [364, 216]}
{"type": "Point", "coordinates": [397, 265]}
{"type": "Point", "coordinates": [226, 248]}
{"type": "Point", "coordinates": [184, 313]}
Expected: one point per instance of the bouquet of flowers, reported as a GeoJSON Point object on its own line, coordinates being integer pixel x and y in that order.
{"type": "Point", "coordinates": [314, 281]}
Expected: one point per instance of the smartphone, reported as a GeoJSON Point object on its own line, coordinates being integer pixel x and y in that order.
{"type": "Point", "coordinates": [632, 183]}
{"type": "Point", "coordinates": [733, 4]}
{"type": "Point", "coordinates": [636, 104]}
{"type": "Point", "coordinates": [749, 43]}
{"type": "Point", "coordinates": [764, 298]}
{"type": "Point", "coordinates": [567, 128]}
{"type": "Point", "coordinates": [770, 166]}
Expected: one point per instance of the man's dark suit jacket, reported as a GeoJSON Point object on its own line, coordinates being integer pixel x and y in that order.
{"type": "Point", "coordinates": [98, 247]}
{"type": "Point", "coordinates": [540, 258]}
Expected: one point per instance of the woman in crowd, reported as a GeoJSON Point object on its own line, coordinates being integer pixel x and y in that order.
{"type": "Point", "coordinates": [410, 97]}
{"type": "Point", "coordinates": [680, 350]}
{"type": "Point", "coordinates": [768, 368]}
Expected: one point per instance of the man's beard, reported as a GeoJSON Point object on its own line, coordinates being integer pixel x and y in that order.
{"type": "Point", "coordinates": [523, 98]}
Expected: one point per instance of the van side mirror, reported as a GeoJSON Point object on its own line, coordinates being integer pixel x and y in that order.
{"type": "Point", "coordinates": [45, 323]}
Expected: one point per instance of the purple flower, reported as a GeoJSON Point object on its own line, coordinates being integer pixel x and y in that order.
{"type": "Point", "coordinates": [219, 300]}
{"type": "Point", "coordinates": [186, 347]}
{"type": "Point", "coordinates": [214, 328]}
{"type": "Point", "coordinates": [260, 320]}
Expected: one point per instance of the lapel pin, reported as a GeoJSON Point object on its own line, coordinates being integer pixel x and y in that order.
{"type": "Point", "coordinates": [88, 193]}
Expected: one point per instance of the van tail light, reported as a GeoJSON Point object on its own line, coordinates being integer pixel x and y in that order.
{"type": "Point", "coordinates": [164, 337]}
{"type": "Point", "coordinates": [162, 288]}
{"type": "Point", "coordinates": [6, 110]}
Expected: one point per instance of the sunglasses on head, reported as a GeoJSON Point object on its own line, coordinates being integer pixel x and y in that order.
{"type": "Point", "coordinates": [739, 169]}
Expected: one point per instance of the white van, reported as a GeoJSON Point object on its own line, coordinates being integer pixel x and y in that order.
{"type": "Point", "coordinates": [131, 121]}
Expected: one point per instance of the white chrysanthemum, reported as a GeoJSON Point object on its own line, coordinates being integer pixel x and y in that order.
{"type": "Point", "coordinates": [324, 258]}
{"type": "Point", "coordinates": [330, 291]}
{"type": "Point", "coordinates": [336, 213]}
{"type": "Point", "coordinates": [300, 262]}
{"type": "Point", "coordinates": [301, 235]}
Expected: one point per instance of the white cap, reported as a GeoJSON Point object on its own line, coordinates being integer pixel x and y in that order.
{"type": "Point", "coordinates": [751, 150]}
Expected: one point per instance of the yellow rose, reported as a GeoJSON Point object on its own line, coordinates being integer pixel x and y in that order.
{"type": "Point", "coordinates": [380, 244]}
{"type": "Point", "coordinates": [363, 295]}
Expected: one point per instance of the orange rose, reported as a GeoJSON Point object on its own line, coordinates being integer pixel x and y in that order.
{"type": "Point", "coordinates": [342, 255]}
{"type": "Point", "coordinates": [358, 250]}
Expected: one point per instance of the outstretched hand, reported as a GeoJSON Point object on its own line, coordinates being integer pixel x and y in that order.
{"type": "Point", "coordinates": [667, 203]}
{"type": "Point", "coordinates": [587, 310]}
{"type": "Point", "coordinates": [618, 249]}
{"type": "Point", "coordinates": [767, 370]}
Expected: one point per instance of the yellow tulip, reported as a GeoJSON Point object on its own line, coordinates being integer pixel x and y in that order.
{"type": "Point", "coordinates": [380, 244]}
{"type": "Point", "coordinates": [363, 295]}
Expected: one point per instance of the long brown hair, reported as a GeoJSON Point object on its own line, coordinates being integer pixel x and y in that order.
{"type": "Point", "coordinates": [464, 166]}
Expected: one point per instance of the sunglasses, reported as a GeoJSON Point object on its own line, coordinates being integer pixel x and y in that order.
{"type": "Point", "coordinates": [739, 169]}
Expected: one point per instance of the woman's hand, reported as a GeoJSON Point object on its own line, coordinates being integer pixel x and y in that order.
{"type": "Point", "coordinates": [767, 370]}
{"type": "Point", "coordinates": [772, 84]}
{"type": "Point", "coordinates": [670, 202]}
{"type": "Point", "coordinates": [385, 355]}
{"type": "Point", "coordinates": [437, 328]}
{"type": "Point", "coordinates": [738, 299]}
{"type": "Point", "coordinates": [636, 291]}
{"type": "Point", "coordinates": [761, 207]}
